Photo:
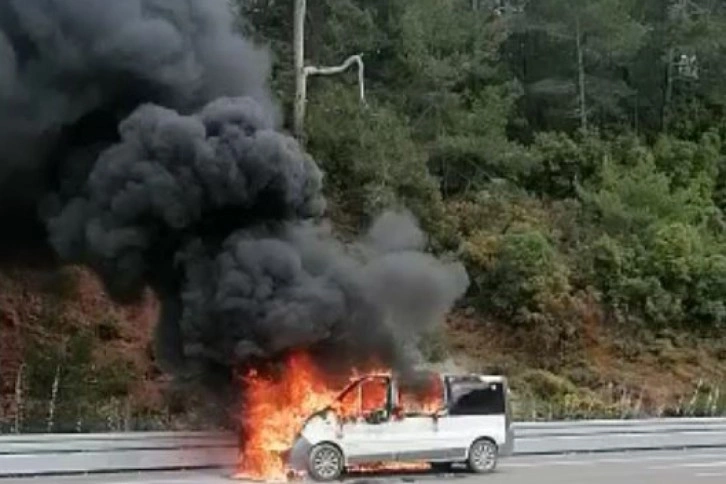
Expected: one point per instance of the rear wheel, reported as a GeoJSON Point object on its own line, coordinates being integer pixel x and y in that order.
{"type": "Point", "coordinates": [325, 463]}
{"type": "Point", "coordinates": [482, 456]}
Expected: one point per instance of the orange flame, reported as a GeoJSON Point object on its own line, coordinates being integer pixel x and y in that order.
{"type": "Point", "coordinates": [275, 408]}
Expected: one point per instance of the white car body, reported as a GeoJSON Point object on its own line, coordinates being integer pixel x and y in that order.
{"type": "Point", "coordinates": [442, 437]}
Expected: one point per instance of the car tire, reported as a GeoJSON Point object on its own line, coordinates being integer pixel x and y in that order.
{"type": "Point", "coordinates": [441, 467]}
{"type": "Point", "coordinates": [483, 456]}
{"type": "Point", "coordinates": [325, 463]}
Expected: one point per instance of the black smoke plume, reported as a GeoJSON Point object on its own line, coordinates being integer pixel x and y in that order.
{"type": "Point", "coordinates": [146, 129]}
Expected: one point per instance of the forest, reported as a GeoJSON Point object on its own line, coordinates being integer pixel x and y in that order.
{"type": "Point", "coordinates": [571, 152]}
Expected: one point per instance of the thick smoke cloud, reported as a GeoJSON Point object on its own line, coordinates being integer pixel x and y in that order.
{"type": "Point", "coordinates": [174, 177]}
{"type": "Point", "coordinates": [295, 287]}
{"type": "Point", "coordinates": [195, 191]}
{"type": "Point", "coordinates": [70, 70]}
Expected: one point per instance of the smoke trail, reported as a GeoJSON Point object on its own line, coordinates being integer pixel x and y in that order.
{"type": "Point", "coordinates": [70, 70]}
{"type": "Point", "coordinates": [168, 170]}
{"type": "Point", "coordinates": [266, 292]}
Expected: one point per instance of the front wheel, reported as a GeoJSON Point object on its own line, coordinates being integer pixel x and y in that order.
{"type": "Point", "coordinates": [325, 463]}
{"type": "Point", "coordinates": [482, 456]}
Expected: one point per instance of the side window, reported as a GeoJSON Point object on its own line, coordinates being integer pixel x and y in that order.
{"type": "Point", "coordinates": [477, 400]}
{"type": "Point", "coordinates": [365, 400]}
{"type": "Point", "coordinates": [347, 404]}
{"type": "Point", "coordinates": [421, 398]}
{"type": "Point", "coordinates": [374, 399]}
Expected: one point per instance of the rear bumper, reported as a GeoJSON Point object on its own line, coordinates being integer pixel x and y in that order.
{"type": "Point", "coordinates": [507, 448]}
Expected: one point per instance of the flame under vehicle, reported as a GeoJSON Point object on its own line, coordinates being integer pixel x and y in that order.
{"type": "Point", "coordinates": [376, 419]}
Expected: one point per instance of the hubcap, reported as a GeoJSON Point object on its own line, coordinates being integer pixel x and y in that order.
{"type": "Point", "coordinates": [327, 463]}
{"type": "Point", "coordinates": [483, 456]}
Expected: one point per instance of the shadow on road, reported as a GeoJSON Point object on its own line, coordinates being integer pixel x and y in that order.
{"type": "Point", "coordinates": [406, 475]}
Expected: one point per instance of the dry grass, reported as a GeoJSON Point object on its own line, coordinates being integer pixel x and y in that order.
{"type": "Point", "coordinates": [597, 372]}
{"type": "Point", "coordinates": [611, 376]}
{"type": "Point", "coordinates": [44, 312]}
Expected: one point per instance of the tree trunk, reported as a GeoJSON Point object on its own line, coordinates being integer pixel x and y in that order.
{"type": "Point", "coordinates": [53, 399]}
{"type": "Point", "coordinates": [581, 77]}
{"type": "Point", "coordinates": [668, 91]}
{"type": "Point", "coordinates": [19, 377]}
{"type": "Point", "coordinates": [636, 115]}
{"type": "Point", "coordinates": [300, 82]}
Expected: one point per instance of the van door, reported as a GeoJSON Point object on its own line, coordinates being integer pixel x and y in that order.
{"type": "Point", "coordinates": [476, 408]}
{"type": "Point", "coordinates": [413, 428]}
{"type": "Point", "coordinates": [413, 438]}
{"type": "Point", "coordinates": [364, 412]}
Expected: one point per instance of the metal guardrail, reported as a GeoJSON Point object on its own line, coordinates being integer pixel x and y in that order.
{"type": "Point", "coordinates": [144, 451]}
{"type": "Point", "coordinates": [610, 436]}
{"type": "Point", "coordinates": [27, 455]}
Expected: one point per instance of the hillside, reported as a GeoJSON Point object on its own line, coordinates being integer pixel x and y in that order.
{"type": "Point", "coordinates": [570, 156]}
{"type": "Point", "coordinates": [58, 323]}
{"type": "Point", "coordinates": [71, 360]}
{"type": "Point", "coordinates": [604, 374]}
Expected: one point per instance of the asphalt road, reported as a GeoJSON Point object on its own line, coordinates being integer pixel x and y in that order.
{"type": "Point", "coordinates": [668, 467]}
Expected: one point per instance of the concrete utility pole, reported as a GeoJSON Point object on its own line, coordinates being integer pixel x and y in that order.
{"type": "Point", "coordinates": [302, 72]}
{"type": "Point", "coordinates": [300, 81]}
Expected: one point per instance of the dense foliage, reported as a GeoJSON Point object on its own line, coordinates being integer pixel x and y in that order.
{"type": "Point", "coordinates": [569, 151]}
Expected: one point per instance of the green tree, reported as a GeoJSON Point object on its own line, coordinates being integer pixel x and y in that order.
{"type": "Point", "coordinates": [457, 94]}
{"type": "Point", "coordinates": [577, 50]}
{"type": "Point", "coordinates": [630, 199]}
{"type": "Point", "coordinates": [369, 157]}
{"type": "Point", "coordinates": [520, 271]}
{"type": "Point", "coordinates": [677, 73]}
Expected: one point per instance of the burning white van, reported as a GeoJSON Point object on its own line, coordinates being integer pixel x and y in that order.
{"type": "Point", "coordinates": [471, 424]}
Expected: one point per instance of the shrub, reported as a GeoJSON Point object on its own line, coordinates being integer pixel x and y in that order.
{"type": "Point", "coordinates": [564, 162]}
{"type": "Point", "coordinates": [369, 158]}
{"type": "Point", "coordinates": [517, 271]}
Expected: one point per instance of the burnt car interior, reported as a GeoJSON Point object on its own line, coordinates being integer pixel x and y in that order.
{"type": "Point", "coordinates": [367, 399]}
{"type": "Point", "coordinates": [371, 399]}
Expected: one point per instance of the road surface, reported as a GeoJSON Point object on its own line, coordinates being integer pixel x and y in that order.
{"type": "Point", "coordinates": [667, 467]}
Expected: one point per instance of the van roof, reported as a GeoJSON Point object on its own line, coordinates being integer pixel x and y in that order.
{"type": "Point", "coordinates": [473, 376]}
{"type": "Point", "coordinates": [455, 376]}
